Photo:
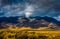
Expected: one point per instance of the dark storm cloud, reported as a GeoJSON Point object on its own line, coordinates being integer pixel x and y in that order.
{"type": "Point", "coordinates": [41, 7]}
{"type": "Point", "coordinates": [49, 7]}
{"type": "Point", "coordinates": [46, 7]}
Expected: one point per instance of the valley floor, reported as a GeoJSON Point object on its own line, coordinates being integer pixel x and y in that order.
{"type": "Point", "coordinates": [27, 33]}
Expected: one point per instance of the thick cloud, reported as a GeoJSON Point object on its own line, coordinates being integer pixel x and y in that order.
{"type": "Point", "coordinates": [30, 8]}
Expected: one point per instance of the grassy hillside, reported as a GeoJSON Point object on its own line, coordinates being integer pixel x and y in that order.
{"type": "Point", "coordinates": [28, 33]}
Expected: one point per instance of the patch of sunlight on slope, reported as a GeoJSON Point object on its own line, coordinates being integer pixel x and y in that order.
{"type": "Point", "coordinates": [25, 28]}
{"type": "Point", "coordinates": [42, 28]}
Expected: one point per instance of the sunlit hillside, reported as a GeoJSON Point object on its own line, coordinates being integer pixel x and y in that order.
{"type": "Point", "coordinates": [29, 33]}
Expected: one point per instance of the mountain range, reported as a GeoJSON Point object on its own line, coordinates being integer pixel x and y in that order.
{"type": "Point", "coordinates": [33, 22]}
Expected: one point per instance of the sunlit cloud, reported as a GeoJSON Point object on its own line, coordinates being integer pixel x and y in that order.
{"type": "Point", "coordinates": [57, 18]}
{"type": "Point", "coordinates": [29, 10]}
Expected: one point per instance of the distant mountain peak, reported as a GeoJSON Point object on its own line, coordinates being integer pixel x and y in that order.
{"type": "Point", "coordinates": [33, 22]}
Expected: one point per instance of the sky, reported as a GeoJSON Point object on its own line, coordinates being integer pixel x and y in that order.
{"type": "Point", "coordinates": [12, 8]}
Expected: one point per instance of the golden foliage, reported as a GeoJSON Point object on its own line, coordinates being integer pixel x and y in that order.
{"type": "Point", "coordinates": [28, 33]}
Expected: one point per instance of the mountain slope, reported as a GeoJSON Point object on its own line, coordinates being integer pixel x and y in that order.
{"type": "Point", "coordinates": [33, 22]}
